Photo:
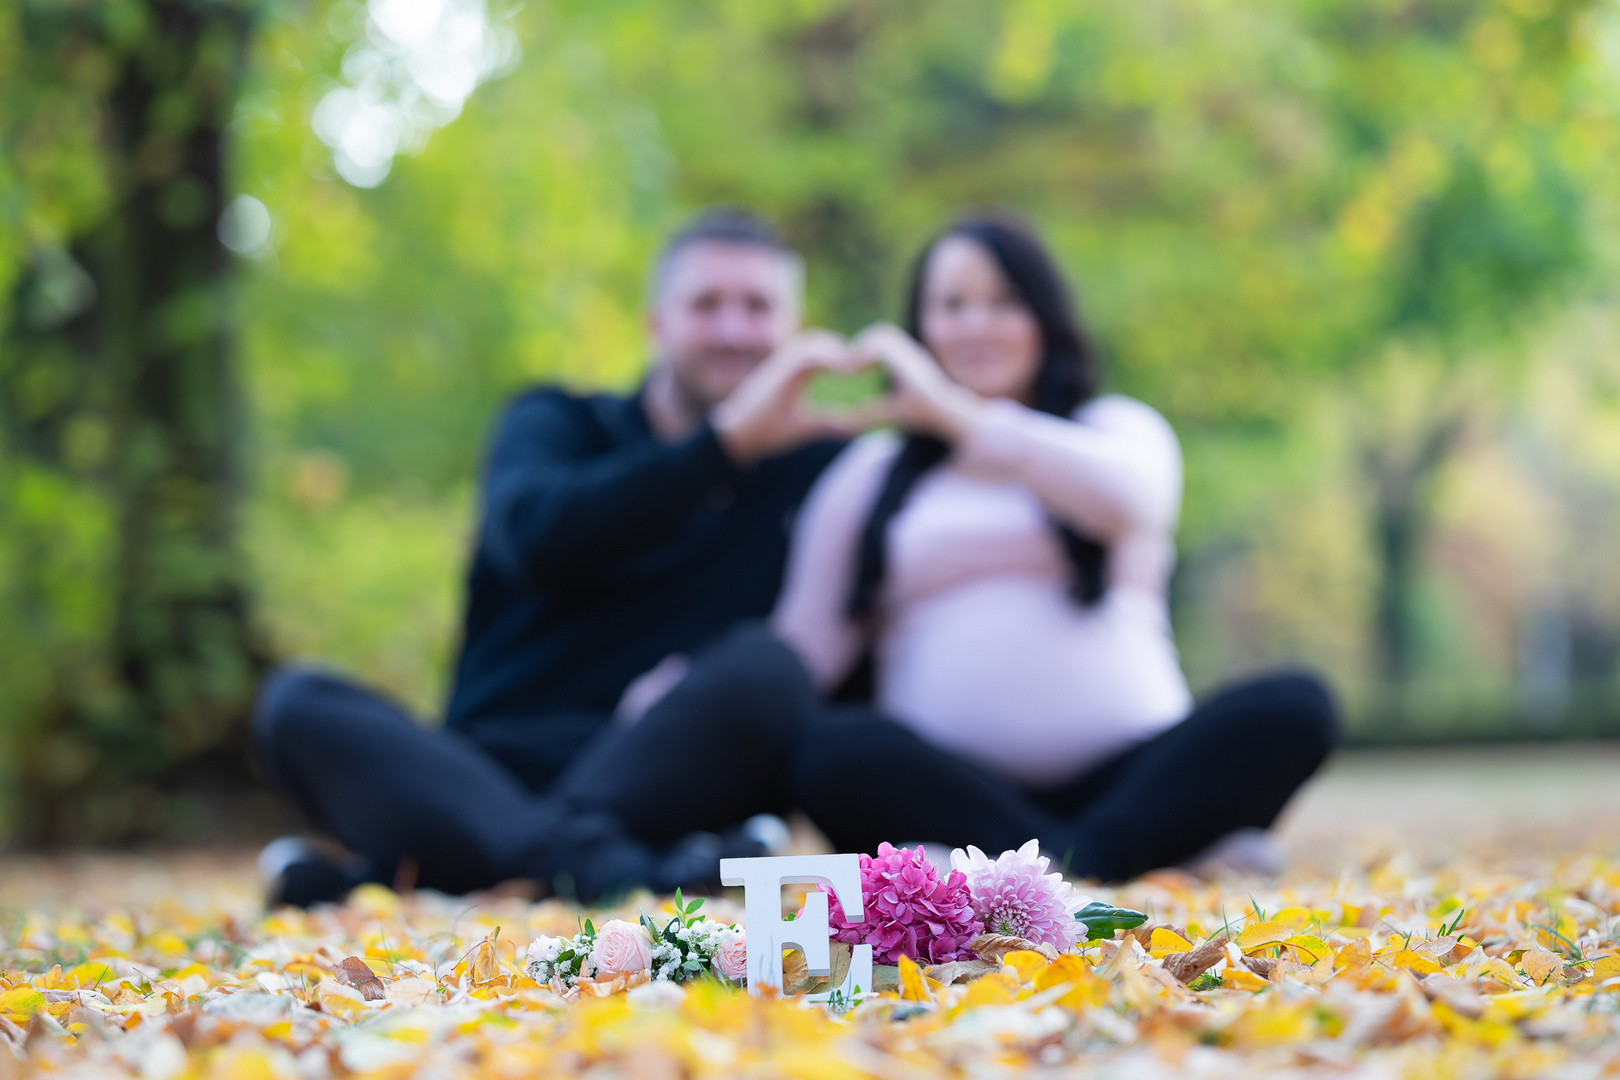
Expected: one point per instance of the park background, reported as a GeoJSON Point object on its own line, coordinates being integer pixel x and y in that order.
{"type": "Point", "coordinates": [268, 269]}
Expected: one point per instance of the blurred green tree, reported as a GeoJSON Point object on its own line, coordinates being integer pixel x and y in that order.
{"type": "Point", "coordinates": [119, 392]}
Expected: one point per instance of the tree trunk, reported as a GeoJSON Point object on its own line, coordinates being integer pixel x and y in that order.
{"type": "Point", "coordinates": [182, 647]}
{"type": "Point", "coordinates": [1402, 486]}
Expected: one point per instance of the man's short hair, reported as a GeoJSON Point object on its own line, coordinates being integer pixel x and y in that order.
{"type": "Point", "coordinates": [722, 225]}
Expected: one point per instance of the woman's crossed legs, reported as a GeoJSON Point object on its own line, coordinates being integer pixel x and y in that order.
{"type": "Point", "coordinates": [1232, 764]}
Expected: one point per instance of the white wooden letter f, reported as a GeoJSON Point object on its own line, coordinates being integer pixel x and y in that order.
{"type": "Point", "coordinates": [768, 934]}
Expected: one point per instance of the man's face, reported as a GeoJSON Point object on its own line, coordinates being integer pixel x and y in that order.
{"type": "Point", "coordinates": [720, 310]}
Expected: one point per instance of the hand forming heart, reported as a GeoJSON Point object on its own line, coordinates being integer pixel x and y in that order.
{"type": "Point", "coordinates": [770, 413]}
{"type": "Point", "coordinates": [922, 398]}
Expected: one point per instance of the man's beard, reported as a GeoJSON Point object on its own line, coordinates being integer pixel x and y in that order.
{"type": "Point", "coordinates": [699, 395]}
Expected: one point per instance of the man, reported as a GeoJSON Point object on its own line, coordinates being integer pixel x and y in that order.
{"type": "Point", "coordinates": [620, 536]}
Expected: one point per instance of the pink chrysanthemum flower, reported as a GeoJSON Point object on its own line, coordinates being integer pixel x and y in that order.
{"type": "Point", "coordinates": [1014, 895]}
{"type": "Point", "coordinates": [909, 910]}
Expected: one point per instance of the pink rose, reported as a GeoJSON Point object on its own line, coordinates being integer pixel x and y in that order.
{"type": "Point", "coordinates": [732, 959]}
{"type": "Point", "coordinates": [621, 948]}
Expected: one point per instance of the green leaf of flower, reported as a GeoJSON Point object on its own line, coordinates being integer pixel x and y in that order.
{"type": "Point", "coordinates": [1104, 920]}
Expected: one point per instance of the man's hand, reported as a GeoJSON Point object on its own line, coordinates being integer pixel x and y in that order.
{"type": "Point", "coordinates": [768, 414]}
{"type": "Point", "coordinates": [923, 399]}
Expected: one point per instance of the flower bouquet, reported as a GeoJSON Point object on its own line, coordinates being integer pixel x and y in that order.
{"type": "Point", "coordinates": [958, 924]}
{"type": "Point", "coordinates": [623, 955]}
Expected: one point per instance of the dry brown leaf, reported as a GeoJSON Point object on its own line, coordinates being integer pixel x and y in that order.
{"type": "Point", "coordinates": [795, 972]}
{"type": "Point", "coordinates": [1262, 966]}
{"type": "Point", "coordinates": [124, 995]}
{"type": "Point", "coordinates": [352, 971]}
{"type": "Point", "coordinates": [1188, 966]}
{"type": "Point", "coordinates": [992, 947]}
{"type": "Point", "coordinates": [839, 955]}
{"type": "Point", "coordinates": [485, 967]}
{"type": "Point", "coordinates": [1540, 964]}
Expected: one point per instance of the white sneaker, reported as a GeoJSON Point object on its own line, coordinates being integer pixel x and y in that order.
{"type": "Point", "coordinates": [769, 832]}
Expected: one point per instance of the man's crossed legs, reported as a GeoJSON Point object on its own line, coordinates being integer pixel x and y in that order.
{"type": "Point", "coordinates": [582, 804]}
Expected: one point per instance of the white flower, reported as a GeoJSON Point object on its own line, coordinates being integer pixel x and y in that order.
{"type": "Point", "coordinates": [544, 949]}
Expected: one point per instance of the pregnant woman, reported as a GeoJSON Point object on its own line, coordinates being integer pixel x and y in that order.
{"type": "Point", "coordinates": [996, 570]}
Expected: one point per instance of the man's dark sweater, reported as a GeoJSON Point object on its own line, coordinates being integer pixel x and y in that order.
{"type": "Point", "coordinates": [604, 549]}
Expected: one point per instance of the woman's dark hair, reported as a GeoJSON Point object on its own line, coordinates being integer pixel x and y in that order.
{"type": "Point", "coordinates": [1067, 377]}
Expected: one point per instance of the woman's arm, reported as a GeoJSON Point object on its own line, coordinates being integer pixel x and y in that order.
{"type": "Point", "coordinates": [812, 613]}
{"type": "Point", "coordinates": [1113, 470]}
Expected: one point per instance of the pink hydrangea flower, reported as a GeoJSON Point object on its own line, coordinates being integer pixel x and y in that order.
{"type": "Point", "coordinates": [1014, 895]}
{"type": "Point", "coordinates": [909, 910]}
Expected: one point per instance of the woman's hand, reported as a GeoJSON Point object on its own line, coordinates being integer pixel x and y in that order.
{"type": "Point", "coordinates": [768, 413]}
{"type": "Point", "coordinates": [922, 398]}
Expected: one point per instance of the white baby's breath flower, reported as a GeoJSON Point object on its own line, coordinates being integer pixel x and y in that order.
{"type": "Point", "coordinates": [545, 949]}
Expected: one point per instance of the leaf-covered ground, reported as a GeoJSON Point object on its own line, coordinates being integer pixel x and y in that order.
{"type": "Point", "coordinates": [1485, 960]}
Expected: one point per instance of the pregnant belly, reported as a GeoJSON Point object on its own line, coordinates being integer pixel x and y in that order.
{"type": "Point", "coordinates": [1015, 675]}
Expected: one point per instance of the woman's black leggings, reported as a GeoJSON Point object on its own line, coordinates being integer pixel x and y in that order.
{"type": "Point", "coordinates": [1234, 762]}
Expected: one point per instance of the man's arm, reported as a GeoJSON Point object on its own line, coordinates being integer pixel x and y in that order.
{"type": "Point", "coordinates": [551, 505]}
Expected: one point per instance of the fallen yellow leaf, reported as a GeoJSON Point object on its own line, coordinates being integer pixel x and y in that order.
{"type": "Point", "coordinates": [1026, 963]}
{"type": "Point", "coordinates": [993, 989]}
{"type": "Point", "coordinates": [166, 944]}
{"type": "Point", "coordinates": [1241, 978]}
{"type": "Point", "coordinates": [912, 986]}
{"type": "Point", "coordinates": [1087, 989]}
{"type": "Point", "coordinates": [1605, 967]}
{"type": "Point", "coordinates": [1164, 942]}
{"type": "Point", "coordinates": [92, 973]}
{"type": "Point", "coordinates": [1356, 953]}
{"type": "Point", "coordinates": [1415, 962]}
{"type": "Point", "coordinates": [376, 901]}
{"type": "Point", "coordinates": [1274, 1026]}
{"type": "Point", "coordinates": [1262, 936]}
{"type": "Point", "coordinates": [1307, 949]}
{"type": "Point", "coordinates": [21, 1003]}
{"type": "Point", "coordinates": [1484, 1032]}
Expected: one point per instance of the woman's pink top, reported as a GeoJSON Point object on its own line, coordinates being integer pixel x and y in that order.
{"type": "Point", "coordinates": [980, 647]}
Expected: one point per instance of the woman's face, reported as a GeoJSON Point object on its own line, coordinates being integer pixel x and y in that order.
{"type": "Point", "coordinates": [976, 324]}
